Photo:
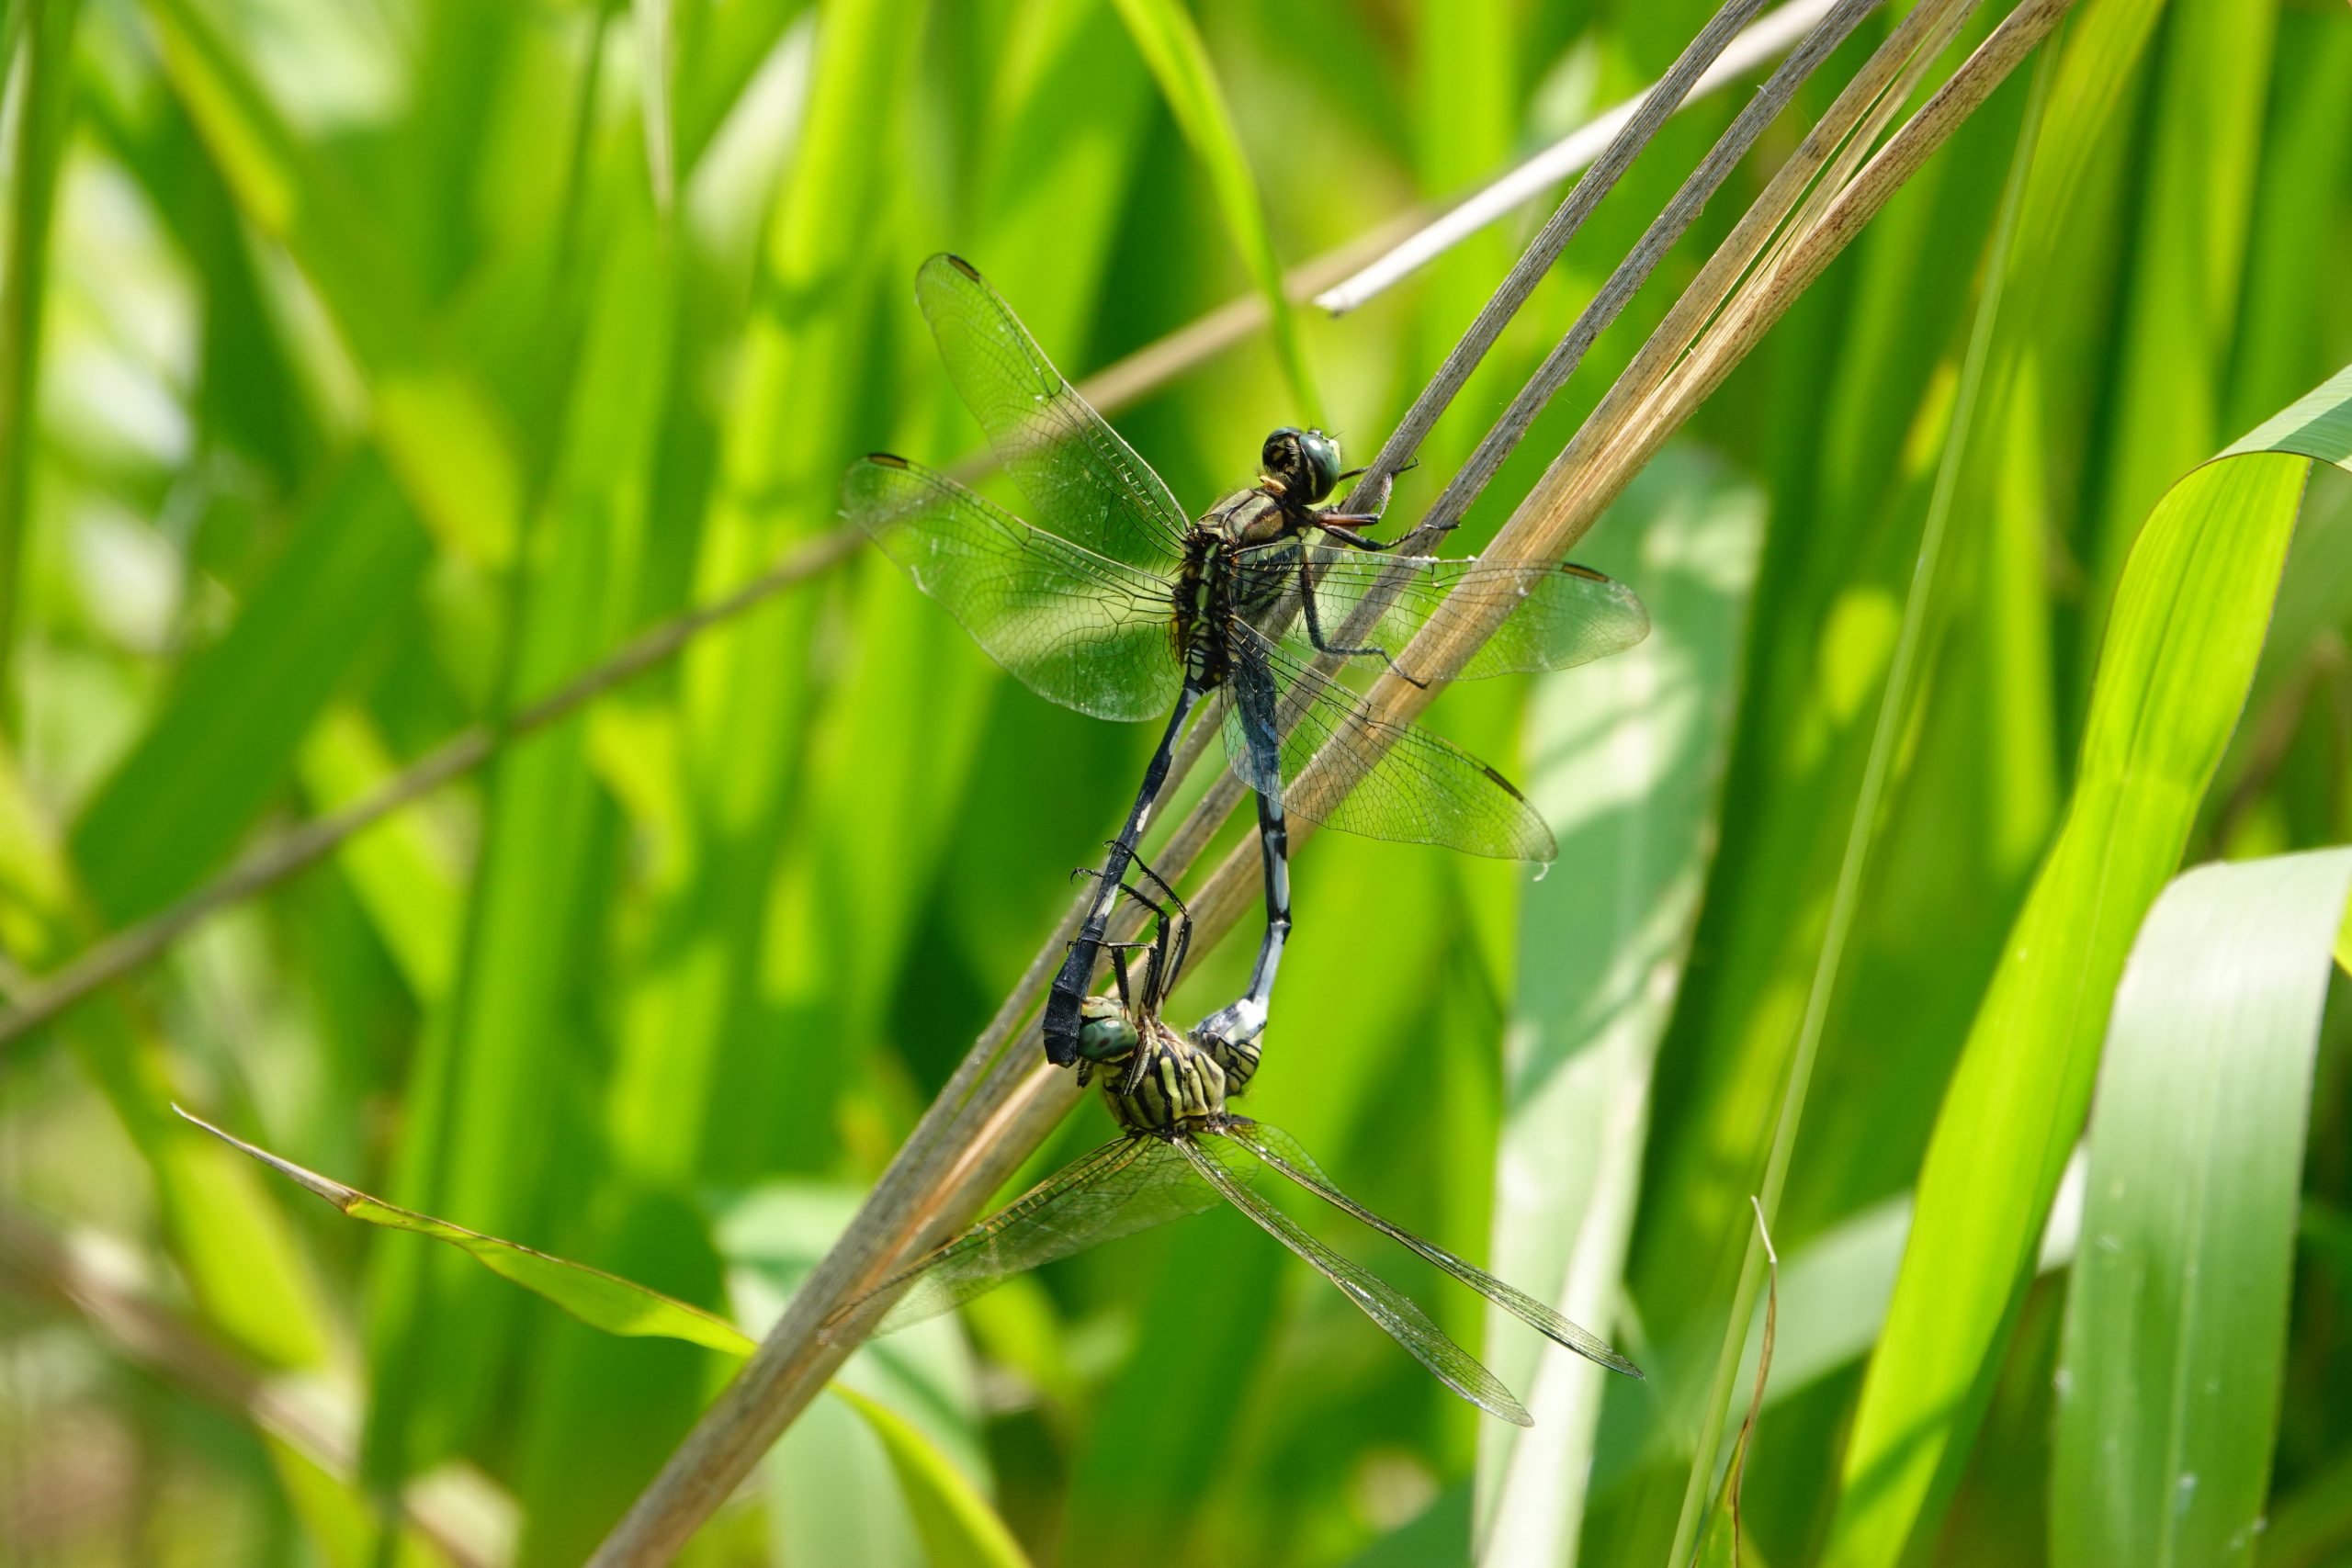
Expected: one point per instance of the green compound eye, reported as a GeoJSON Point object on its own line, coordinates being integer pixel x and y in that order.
{"type": "Point", "coordinates": [1106, 1035]}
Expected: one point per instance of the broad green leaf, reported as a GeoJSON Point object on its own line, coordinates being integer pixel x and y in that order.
{"type": "Point", "coordinates": [1629, 753]}
{"type": "Point", "coordinates": [2180, 650]}
{"type": "Point", "coordinates": [1172, 47]}
{"type": "Point", "coordinates": [959, 1530]}
{"type": "Point", "coordinates": [2175, 1350]}
{"type": "Point", "coordinates": [915, 670]}
{"type": "Point", "coordinates": [601, 1300]}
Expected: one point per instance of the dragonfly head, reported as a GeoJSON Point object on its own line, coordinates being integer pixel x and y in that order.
{"type": "Point", "coordinates": [1105, 1034]}
{"type": "Point", "coordinates": [1305, 463]}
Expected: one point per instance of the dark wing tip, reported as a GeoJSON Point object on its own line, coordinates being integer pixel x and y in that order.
{"type": "Point", "coordinates": [1573, 569]}
{"type": "Point", "coordinates": [958, 263]}
{"type": "Point", "coordinates": [887, 460]}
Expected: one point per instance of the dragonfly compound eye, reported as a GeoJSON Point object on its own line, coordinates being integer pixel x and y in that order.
{"type": "Point", "coordinates": [1322, 454]}
{"type": "Point", "coordinates": [1306, 461]}
{"type": "Point", "coordinates": [1106, 1037]}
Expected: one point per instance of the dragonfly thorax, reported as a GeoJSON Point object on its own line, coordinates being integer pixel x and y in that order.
{"type": "Point", "coordinates": [1164, 1082]}
{"type": "Point", "coordinates": [1237, 561]}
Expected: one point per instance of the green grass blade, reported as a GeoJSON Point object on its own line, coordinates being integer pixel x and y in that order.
{"type": "Point", "coordinates": [657, 63]}
{"type": "Point", "coordinates": [223, 742]}
{"type": "Point", "coordinates": [2180, 650]}
{"type": "Point", "coordinates": [1898, 699]}
{"type": "Point", "coordinates": [441, 434]}
{"type": "Point", "coordinates": [787, 432]}
{"type": "Point", "coordinates": [1172, 47]}
{"type": "Point", "coordinates": [2187, 259]}
{"type": "Point", "coordinates": [407, 871]}
{"type": "Point", "coordinates": [480, 1138]}
{"type": "Point", "coordinates": [600, 1300]}
{"type": "Point", "coordinates": [43, 99]}
{"type": "Point", "coordinates": [958, 1527]}
{"type": "Point", "coordinates": [1723, 1545]}
{"type": "Point", "coordinates": [238, 1255]}
{"type": "Point", "coordinates": [832, 1488]}
{"type": "Point", "coordinates": [2175, 1340]}
{"type": "Point", "coordinates": [1628, 753]}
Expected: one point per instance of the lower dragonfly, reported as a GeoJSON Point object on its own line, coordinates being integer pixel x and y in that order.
{"type": "Point", "coordinates": [1181, 1152]}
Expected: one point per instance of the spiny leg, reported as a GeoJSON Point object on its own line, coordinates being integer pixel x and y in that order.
{"type": "Point", "coordinates": [1159, 970]}
{"type": "Point", "coordinates": [1314, 633]}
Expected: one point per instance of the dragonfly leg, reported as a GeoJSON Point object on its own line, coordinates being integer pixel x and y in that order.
{"type": "Point", "coordinates": [1063, 1019]}
{"type": "Point", "coordinates": [1314, 635]}
{"type": "Point", "coordinates": [1170, 942]}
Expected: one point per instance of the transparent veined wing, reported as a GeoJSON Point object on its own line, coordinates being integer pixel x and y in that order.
{"type": "Point", "coordinates": [1082, 481]}
{"type": "Point", "coordinates": [1230, 1166]}
{"type": "Point", "coordinates": [1413, 786]}
{"type": "Point", "coordinates": [1088, 633]}
{"type": "Point", "coordinates": [1128, 1185]}
{"type": "Point", "coordinates": [1555, 618]}
{"type": "Point", "coordinates": [1280, 1150]}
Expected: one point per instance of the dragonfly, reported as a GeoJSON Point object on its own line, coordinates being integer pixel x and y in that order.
{"type": "Point", "coordinates": [1181, 1151]}
{"type": "Point", "coordinates": [1113, 602]}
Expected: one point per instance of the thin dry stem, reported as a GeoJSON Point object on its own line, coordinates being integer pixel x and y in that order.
{"type": "Point", "coordinates": [1371, 491]}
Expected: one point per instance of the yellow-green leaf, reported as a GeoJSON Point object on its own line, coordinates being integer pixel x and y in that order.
{"type": "Point", "coordinates": [958, 1527]}
{"type": "Point", "coordinates": [600, 1300]}
{"type": "Point", "coordinates": [2188, 622]}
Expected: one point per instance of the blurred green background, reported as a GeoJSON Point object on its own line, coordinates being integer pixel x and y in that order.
{"type": "Point", "coordinates": [370, 369]}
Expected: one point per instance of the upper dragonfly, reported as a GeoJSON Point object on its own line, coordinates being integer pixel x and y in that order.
{"type": "Point", "coordinates": [1115, 604]}
{"type": "Point", "coordinates": [1181, 1150]}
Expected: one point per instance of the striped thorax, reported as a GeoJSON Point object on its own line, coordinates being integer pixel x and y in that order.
{"type": "Point", "coordinates": [1156, 1079]}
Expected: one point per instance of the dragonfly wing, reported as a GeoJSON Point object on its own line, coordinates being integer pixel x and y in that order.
{"type": "Point", "coordinates": [1228, 1167]}
{"type": "Point", "coordinates": [1280, 1150]}
{"type": "Point", "coordinates": [1082, 481]}
{"type": "Point", "coordinates": [1088, 633]}
{"type": "Point", "coordinates": [1128, 1185]}
{"type": "Point", "coordinates": [1555, 618]}
{"type": "Point", "coordinates": [1252, 732]}
{"type": "Point", "coordinates": [1412, 786]}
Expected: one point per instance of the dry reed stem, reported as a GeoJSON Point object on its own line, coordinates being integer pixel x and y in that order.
{"type": "Point", "coordinates": [947, 1171]}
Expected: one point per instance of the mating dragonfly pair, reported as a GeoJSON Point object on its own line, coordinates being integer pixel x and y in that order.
{"type": "Point", "coordinates": [1119, 606]}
